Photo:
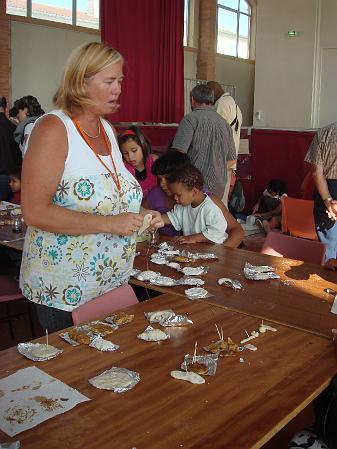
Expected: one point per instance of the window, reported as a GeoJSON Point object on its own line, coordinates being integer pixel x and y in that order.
{"type": "Point", "coordinates": [234, 18]}
{"type": "Point", "coordinates": [83, 13]}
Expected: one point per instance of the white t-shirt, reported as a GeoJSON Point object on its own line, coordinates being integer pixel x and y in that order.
{"type": "Point", "coordinates": [226, 107]}
{"type": "Point", "coordinates": [26, 134]}
{"type": "Point", "coordinates": [206, 219]}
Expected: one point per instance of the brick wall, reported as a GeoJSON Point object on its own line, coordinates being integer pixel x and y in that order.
{"type": "Point", "coordinates": [4, 51]}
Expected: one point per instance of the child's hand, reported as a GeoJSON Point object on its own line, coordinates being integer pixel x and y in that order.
{"type": "Point", "coordinates": [157, 220]}
{"type": "Point", "coordinates": [331, 264]}
{"type": "Point", "coordinates": [185, 239]}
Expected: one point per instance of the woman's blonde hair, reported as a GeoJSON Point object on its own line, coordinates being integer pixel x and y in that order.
{"type": "Point", "coordinates": [84, 62]}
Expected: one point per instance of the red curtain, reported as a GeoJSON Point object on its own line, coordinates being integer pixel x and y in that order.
{"type": "Point", "coordinates": [149, 35]}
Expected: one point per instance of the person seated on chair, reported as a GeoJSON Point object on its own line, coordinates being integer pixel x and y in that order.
{"type": "Point", "coordinates": [15, 185]}
{"type": "Point", "coordinates": [194, 213]}
{"type": "Point", "coordinates": [268, 209]}
{"type": "Point", "coordinates": [160, 198]}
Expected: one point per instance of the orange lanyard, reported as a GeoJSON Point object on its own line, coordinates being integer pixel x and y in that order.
{"type": "Point", "coordinates": [113, 175]}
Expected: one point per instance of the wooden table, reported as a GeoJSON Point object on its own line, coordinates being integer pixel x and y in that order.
{"type": "Point", "coordinates": [243, 406]}
{"type": "Point", "coordinates": [297, 299]}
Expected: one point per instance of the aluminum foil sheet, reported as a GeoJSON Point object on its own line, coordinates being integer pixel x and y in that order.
{"type": "Point", "coordinates": [197, 293]}
{"type": "Point", "coordinates": [259, 273]}
{"type": "Point", "coordinates": [103, 345]}
{"type": "Point", "coordinates": [101, 328]}
{"type": "Point", "coordinates": [164, 281]}
{"type": "Point", "coordinates": [193, 271]}
{"type": "Point", "coordinates": [146, 275]}
{"type": "Point", "coordinates": [151, 334]}
{"type": "Point", "coordinates": [158, 259]}
{"type": "Point", "coordinates": [232, 283]}
{"type": "Point", "coordinates": [134, 272]}
{"type": "Point", "coordinates": [210, 361]}
{"type": "Point", "coordinates": [188, 280]}
{"type": "Point", "coordinates": [119, 318]}
{"type": "Point", "coordinates": [35, 351]}
{"type": "Point", "coordinates": [65, 337]}
{"type": "Point", "coordinates": [116, 379]}
{"type": "Point", "coordinates": [158, 316]}
{"type": "Point", "coordinates": [175, 321]}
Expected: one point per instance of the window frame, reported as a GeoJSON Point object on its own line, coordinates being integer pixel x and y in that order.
{"type": "Point", "coordinates": [238, 13]}
{"type": "Point", "coordinates": [54, 23]}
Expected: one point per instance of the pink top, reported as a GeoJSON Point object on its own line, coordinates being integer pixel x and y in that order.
{"type": "Point", "coordinates": [150, 181]}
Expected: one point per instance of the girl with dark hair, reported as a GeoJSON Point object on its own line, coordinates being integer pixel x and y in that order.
{"type": "Point", "coordinates": [29, 109]}
{"type": "Point", "coordinates": [136, 152]}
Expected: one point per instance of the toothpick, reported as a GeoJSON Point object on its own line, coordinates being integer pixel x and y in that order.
{"type": "Point", "coordinates": [195, 352]}
{"type": "Point", "coordinates": [221, 334]}
{"type": "Point", "coordinates": [262, 323]}
{"type": "Point", "coordinates": [47, 336]}
{"type": "Point", "coordinates": [217, 329]}
{"type": "Point", "coordinates": [247, 333]}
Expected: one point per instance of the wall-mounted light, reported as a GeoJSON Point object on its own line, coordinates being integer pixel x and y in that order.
{"type": "Point", "coordinates": [292, 33]}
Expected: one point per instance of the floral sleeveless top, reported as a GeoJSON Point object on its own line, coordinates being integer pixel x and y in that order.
{"type": "Point", "coordinates": [65, 271]}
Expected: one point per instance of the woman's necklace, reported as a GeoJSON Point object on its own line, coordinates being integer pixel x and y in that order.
{"type": "Point", "coordinates": [108, 148]}
{"type": "Point", "coordinates": [92, 137]}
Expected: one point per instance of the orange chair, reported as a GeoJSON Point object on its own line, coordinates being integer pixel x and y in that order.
{"type": "Point", "coordinates": [10, 291]}
{"type": "Point", "coordinates": [116, 299]}
{"type": "Point", "coordinates": [298, 218]}
{"type": "Point", "coordinates": [281, 245]}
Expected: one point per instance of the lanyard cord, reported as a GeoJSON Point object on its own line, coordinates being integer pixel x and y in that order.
{"type": "Point", "coordinates": [113, 175]}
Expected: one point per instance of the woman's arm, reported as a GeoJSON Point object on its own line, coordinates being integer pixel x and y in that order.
{"type": "Point", "coordinates": [43, 167]}
{"type": "Point", "coordinates": [234, 229]}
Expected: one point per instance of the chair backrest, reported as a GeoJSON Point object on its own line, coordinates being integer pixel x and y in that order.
{"type": "Point", "coordinates": [9, 289]}
{"type": "Point", "coordinates": [115, 299]}
{"type": "Point", "coordinates": [281, 245]}
{"type": "Point", "coordinates": [298, 218]}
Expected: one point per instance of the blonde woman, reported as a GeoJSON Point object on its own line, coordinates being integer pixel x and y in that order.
{"type": "Point", "coordinates": [81, 205]}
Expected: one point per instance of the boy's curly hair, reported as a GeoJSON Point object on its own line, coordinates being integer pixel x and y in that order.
{"type": "Point", "coordinates": [188, 175]}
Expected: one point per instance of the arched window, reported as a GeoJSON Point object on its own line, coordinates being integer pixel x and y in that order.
{"type": "Point", "coordinates": [84, 13]}
{"type": "Point", "coordinates": [234, 25]}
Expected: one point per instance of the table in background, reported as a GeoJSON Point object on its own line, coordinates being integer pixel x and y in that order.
{"type": "Point", "coordinates": [297, 299]}
{"type": "Point", "coordinates": [243, 406]}
{"type": "Point", "coordinates": [12, 239]}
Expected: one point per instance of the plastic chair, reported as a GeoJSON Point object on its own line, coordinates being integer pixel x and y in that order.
{"type": "Point", "coordinates": [281, 245]}
{"type": "Point", "coordinates": [10, 291]}
{"type": "Point", "coordinates": [115, 299]}
{"type": "Point", "coordinates": [298, 218]}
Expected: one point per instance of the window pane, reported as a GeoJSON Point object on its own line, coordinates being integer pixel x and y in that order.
{"type": "Point", "coordinates": [16, 8]}
{"type": "Point", "coordinates": [234, 4]}
{"type": "Point", "coordinates": [88, 13]}
{"type": "Point", "coordinates": [227, 29]}
{"type": "Point", "coordinates": [55, 10]}
{"type": "Point", "coordinates": [243, 51]}
{"type": "Point", "coordinates": [244, 6]}
{"type": "Point", "coordinates": [186, 7]}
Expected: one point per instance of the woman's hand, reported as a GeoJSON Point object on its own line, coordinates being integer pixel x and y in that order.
{"type": "Point", "coordinates": [157, 219]}
{"type": "Point", "coordinates": [126, 224]}
{"type": "Point", "coordinates": [331, 210]}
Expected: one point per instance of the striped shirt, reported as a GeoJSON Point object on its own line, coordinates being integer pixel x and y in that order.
{"type": "Point", "coordinates": [323, 151]}
{"type": "Point", "coordinates": [208, 140]}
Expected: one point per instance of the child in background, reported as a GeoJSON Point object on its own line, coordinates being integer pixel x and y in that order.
{"type": "Point", "coordinates": [194, 213]}
{"type": "Point", "coordinates": [268, 209]}
{"type": "Point", "coordinates": [15, 185]}
{"type": "Point", "coordinates": [136, 152]}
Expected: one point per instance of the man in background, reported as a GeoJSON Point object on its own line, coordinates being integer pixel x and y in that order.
{"type": "Point", "coordinates": [10, 154]}
{"type": "Point", "coordinates": [207, 139]}
{"type": "Point", "coordinates": [226, 106]}
{"type": "Point", "coordinates": [322, 155]}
